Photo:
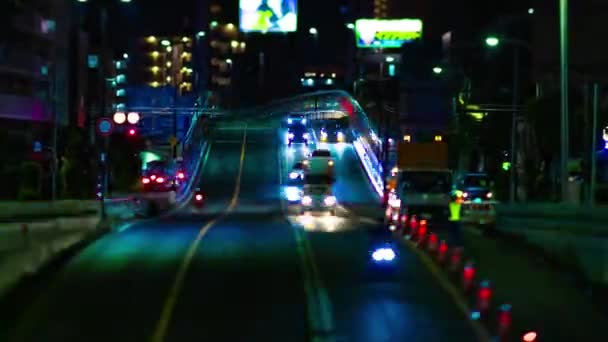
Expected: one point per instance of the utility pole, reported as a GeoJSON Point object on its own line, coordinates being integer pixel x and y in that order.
{"type": "Point", "coordinates": [592, 183]}
{"type": "Point", "coordinates": [105, 160]}
{"type": "Point", "coordinates": [515, 102]}
{"type": "Point", "coordinates": [564, 129]}
{"type": "Point", "coordinates": [53, 107]}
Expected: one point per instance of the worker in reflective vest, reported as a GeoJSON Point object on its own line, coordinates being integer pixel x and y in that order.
{"type": "Point", "coordinates": [455, 226]}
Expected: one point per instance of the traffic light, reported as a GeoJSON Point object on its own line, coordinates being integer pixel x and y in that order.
{"type": "Point", "coordinates": [132, 131]}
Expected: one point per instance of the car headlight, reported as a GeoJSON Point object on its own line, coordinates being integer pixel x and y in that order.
{"type": "Point", "coordinates": [306, 200]}
{"type": "Point", "coordinates": [293, 175]}
{"type": "Point", "coordinates": [330, 163]}
{"type": "Point", "coordinates": [306, 136]}
{"type": "Point", "coordinates": [489, 195]}
{"type": "Point", "coordinates": [323, 134]}
{"type": "Point", "coordinates": [384, 254]}
{"type": "Point", "coordinates": [289, 121]}
{"type": "Point", "coordinates": [330, 201]}
{"type": "Point", "coordinates": [303, 121]}
{"type": "Point", "coordinates": [290, 135]}
{"type": "Point", "coordinates": [292, 193]}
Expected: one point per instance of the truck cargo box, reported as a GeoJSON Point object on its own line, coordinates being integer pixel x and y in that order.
{"type": "Point", "coordinates": [422, 156]}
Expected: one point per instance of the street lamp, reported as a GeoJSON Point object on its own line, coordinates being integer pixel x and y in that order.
{"type": "Point", "coordinates": [437, 70]}
{"type": "Point", "coordinates": [350, 26]}
{"type": "Point", "coordinates": [492, 41]}
{"type": "Point", "coordinates": [313, 31]}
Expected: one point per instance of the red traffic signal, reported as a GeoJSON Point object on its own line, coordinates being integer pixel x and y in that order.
{"type": "Point", "coordinates": [132, 132]}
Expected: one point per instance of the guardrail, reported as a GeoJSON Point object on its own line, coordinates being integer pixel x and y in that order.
{"type": "Point", "coordinates": [574, 235]}
{"type": "Point", "coordinates": [27, 246]}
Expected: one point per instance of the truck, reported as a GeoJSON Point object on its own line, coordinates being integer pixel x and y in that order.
{"type": "Point", "coordinates": [422, 185]}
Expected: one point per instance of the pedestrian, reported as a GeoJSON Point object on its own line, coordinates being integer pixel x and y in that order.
{"type": "Point", "coordinates": [454, 220]}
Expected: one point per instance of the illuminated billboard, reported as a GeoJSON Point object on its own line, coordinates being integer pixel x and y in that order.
{"type": "Point", "coordinates": [268, 15]}
{"type": "Point", "coordinates": [380, 33]}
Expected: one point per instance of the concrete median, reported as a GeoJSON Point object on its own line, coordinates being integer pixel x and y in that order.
{"type": "Point", "coordinates": [27, 247]}
{"type": "Point", "coordinates": [576, 236]}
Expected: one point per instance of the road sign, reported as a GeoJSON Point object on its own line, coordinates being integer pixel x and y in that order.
{"type": "Point", "coordinates": [172, 141]}
{"type": "Point", "coordinates": [37, 146]}
{"type": "Point", "coordinates": [105, 126]}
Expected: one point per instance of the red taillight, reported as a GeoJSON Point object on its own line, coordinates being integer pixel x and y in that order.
{"type": "Point", "coordinates": [160, 180]}
{"type": "Point", "coordinates": [198, 197]}
{"type": "Point", "coordinates": [145, 180]}
{"type": "Point", "coordinates": [181, 175]}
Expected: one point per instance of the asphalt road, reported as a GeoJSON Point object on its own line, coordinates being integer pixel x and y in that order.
{"type": "Point", "coordinates": [242, 268]}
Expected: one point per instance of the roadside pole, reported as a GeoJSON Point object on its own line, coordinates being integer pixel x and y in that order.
{"type": "Point", "coordinates": [594, 132]}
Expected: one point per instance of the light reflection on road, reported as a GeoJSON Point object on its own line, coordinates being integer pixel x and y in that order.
{"type": "Point", "coordinates": [322, 222]}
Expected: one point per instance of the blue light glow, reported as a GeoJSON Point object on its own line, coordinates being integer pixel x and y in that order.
{"type": "Point", "coordinates": [383, 254]}
{"type": "Point", "coordinates": [292, 193]}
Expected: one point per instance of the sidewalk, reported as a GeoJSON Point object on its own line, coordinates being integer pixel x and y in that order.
{"type": "Point", "coordinates": [545, 296]}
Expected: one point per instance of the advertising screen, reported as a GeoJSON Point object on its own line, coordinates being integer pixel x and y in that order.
{"type": "Point", "coordinates": [268, 15]}
{"type": "Point", "coordinates": [379, 33]}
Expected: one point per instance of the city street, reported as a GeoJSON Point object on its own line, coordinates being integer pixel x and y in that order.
{"type": "Point", "coordinates": [242, 268]}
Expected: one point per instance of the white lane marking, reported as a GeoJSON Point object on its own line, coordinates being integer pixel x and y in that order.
{"type": "Point", "coordinates": [319, 306]}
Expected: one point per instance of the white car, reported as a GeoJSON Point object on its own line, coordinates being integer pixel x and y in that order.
{"type": "Point", "coordinates": [318, 198]}
{"type": "Point", "coordinates": [319, 162]}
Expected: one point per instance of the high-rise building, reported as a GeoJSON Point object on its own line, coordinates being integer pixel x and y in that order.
{"type": "Point", "coordinates": [227, 47]}
{"type": "Point", "coordinates": [163, 61]}
{"type": "Point", "coordinates": [381, 9]}
{"type": "Point", "coordinates": [33, 78]}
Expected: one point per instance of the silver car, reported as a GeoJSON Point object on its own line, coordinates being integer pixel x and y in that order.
{"type": "Point", "coordinates": [318, 198]}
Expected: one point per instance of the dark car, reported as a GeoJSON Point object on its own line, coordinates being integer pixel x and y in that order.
{"type": "Point", "coordinates": [157, 177]}
{"type": "Point", "coordinates": [477, 186]}
{"type": "Point", "coordinates": [298, 134]}
{"type": "Point", "coordinates": [296, 120]}
{"type": "Point", "coordinates": [334, 131]}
